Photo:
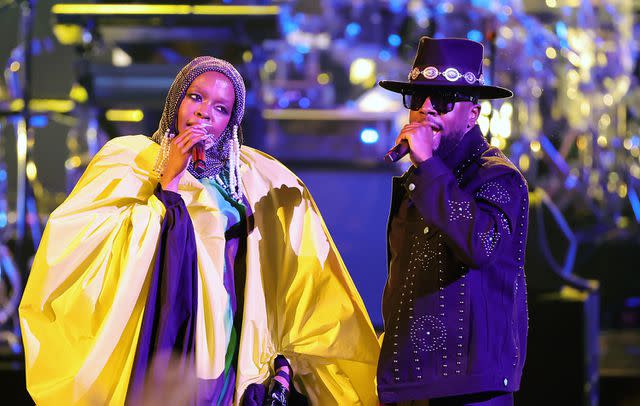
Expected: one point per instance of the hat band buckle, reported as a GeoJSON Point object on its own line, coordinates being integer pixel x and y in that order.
{"type": "Point", "coordinates": [451, 74]}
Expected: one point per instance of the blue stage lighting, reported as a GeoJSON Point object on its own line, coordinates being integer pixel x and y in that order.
{"type": "Point", "coordinates": [352, 29]}
{"type": "Point", "coordinates": [384, 55]}
{"type": "Point", "coordinates": [394, 40]}
{"type": "Point", "coordinates": [39, 121]}
{"type": "Point", "coordinates": [369, 136]}
{"type": "Point", "coordinates": [283, 103]}
{"type": "Point", "coordinates": [289, 26]}
{"type": "Point", "coordinates": [304, 103]}
{"type": "Point", "coordinates": [475, 35]}
{"type": "Point", "coordinates": [297, 58]}
{"type": "Point", "coordinates": [303, 48]}
{"type": "Point", "coordinates": [537, 65]}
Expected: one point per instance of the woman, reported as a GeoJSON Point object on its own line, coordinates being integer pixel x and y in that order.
{"type": "Point", "coordinates": [153, 273]}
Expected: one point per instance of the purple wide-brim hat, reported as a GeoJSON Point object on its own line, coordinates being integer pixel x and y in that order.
{"type": "Point", "coordinates": [448, 64]}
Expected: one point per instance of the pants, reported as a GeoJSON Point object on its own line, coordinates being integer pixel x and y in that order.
{"type": "Point", "coordinates": [476, 399]}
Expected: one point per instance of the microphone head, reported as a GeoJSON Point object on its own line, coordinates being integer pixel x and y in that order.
{"type": "Point", "coordinates": [199, 166]}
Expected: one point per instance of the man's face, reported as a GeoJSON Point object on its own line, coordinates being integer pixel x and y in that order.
{"type": "Point", "coordinates": [448, 127]}
{"type": "Point", "coordinates": [208, 101]}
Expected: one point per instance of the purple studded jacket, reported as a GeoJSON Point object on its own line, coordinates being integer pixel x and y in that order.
{"type": "Point", "coordinates": [454, 305]}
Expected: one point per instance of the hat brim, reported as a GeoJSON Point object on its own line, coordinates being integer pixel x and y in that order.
{"type": "Point", "coordinates": [483, 92]}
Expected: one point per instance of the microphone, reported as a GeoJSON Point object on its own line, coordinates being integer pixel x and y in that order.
{"type": "Point", "coordinates": [197, 157]}
{"type": "Point", "coordinates": [396, 153]}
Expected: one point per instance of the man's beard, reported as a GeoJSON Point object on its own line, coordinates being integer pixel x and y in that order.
{"type": "Point", "coordinates": [449, 142]}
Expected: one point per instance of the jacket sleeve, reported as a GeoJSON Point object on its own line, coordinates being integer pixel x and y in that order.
{"type": "Point", "coordinates": [83, 302]}
{"type": "Point", "coordinates": [476, 222]}
{"type": "Point", "coordinates": [319, 320]}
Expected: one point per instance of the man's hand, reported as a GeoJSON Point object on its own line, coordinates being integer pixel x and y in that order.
{"type": "Point", "coordinates": [422, 141]}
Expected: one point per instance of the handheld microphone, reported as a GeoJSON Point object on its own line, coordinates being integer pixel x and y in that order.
{"type": "Point", "coordinates": [396, 153]}
{"type": "Point", "coordinates": [197, 157]}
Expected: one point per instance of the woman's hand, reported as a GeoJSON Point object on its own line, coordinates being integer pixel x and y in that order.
{"type": "Point", "coordinates": [180, 154]}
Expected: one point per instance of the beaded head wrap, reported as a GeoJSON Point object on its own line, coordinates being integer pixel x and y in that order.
{"type": "Point", "coordinates": [222, 158]}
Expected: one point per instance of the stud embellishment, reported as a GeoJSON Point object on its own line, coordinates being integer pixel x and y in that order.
{"type": "Point", "coordinates": [459, 210]}
{"type": "Point", "coordinates": [428, 333]}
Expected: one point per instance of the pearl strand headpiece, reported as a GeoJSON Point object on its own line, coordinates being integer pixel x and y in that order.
{"type": "Point", "coordinates": [225, 151]}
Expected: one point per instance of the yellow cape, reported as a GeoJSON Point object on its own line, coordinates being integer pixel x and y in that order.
{"type": "Point", "coordinates": [82, 308]}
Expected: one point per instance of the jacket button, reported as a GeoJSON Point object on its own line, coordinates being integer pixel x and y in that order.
{"type": "Point", "coordinates": [506, 381]}
{"type": "Point", "coordinates": [412, 186]}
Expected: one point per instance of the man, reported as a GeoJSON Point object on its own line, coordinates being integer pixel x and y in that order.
{"type": "Point", "coordinates": [454, 305]}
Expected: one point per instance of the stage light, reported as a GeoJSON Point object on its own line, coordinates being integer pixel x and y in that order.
{"type": "Point", "coordinates": [475, 35]}
{"type": "Point", "coordinates": [363, 71]}
{"type": "Point", "coordinates": [602, 141]}
{"type": "Point", "coordinates": [384, 55]}
{"type": "Point", "coordinates": [447, 7]}
{"type": "Point", "coordinates": [524, 162]}
{"type": "Point", "coordinates": [32, 171]}
{"type": "Point", "coordinates": [303, 48]}
{"type": "Point", "coordinates": [68, 34]}
{"type": "Point", "coordinates": [73, 162]}
{"type": "Point", "coordinates": [394, 40]}
{"type": "Point", "coordinates": [582, 143]}
{"type": "Point", "coordinates": [506, 110]}
{"type": "Point", "coordinates": [535, 146]}
{"type": "Point", "coordinates": [485, 108]}
{"type": "Point", "coordinates": [48, 105]}
{"type": "Point", "coordinates": [124, 115]}
{"type": "Point", "coordinates": [585, 108]}
{"type": "Point", "coordinates": [574, 59]}
{"type": "Point", "coordinates": [536, 91]}
{"type": "Point", "coordinates": [537, 65]}
{"type": "Point", "coordinates": [561, 29]}
{"type": "Point", "coordinates": [369, 136]}
{"type": "Point", "coordinates": [283, 103]}
{"type": "Point", "coordinates": [304, 103]}
{"type": "Point", "coordinates": [506, 32]}
{"type": "Point", "coordinates": [120, 58]}
{"type": "Point", "coordinates": [323, 78]}
{"type": "Point", "coordinates": [78, 93]}
{"type": "Point", "coordinates": [39, 121]}
{"type": "Point", "coordinates": [353, 29]}
{"type": "Point", "coordinates": [601, 57]}
{"type": "Point", "coordinates": [375, 101]}
{"type": "Point", "coordinates": [551, 53]}
{"type": "Point", "coordinates": [498, 142]}
{"type": "Point", "coordinates": [270, 66]}
{"type": "Point", "coordinates": [483, 122]}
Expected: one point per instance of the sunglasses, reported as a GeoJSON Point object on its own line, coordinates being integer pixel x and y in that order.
{"type": "Point", "coordinates": [442, 102]}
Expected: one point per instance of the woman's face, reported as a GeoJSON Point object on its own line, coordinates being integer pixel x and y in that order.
{"type": "Point", "coordinates": [208, 103]}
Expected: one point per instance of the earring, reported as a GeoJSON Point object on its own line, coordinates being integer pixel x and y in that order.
{"type": "Point", "coordinates": [163, 154]}
{"type": "Point", "coordinates": [234, 166]}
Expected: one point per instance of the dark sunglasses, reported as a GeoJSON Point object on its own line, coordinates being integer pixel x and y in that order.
{"type": "Point", "coordinates": [442, 102]}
